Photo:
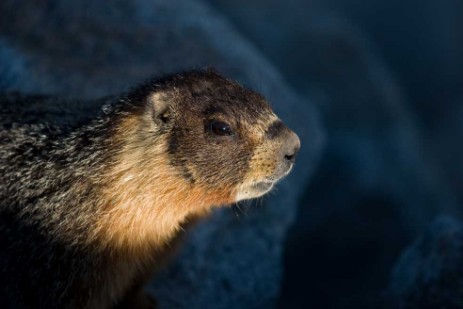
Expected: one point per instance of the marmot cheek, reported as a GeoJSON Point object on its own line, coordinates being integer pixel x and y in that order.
{"type": "Point", "coordinates": [222, 196]}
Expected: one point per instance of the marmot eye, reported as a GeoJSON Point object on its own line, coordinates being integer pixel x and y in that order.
{"type": "Point", "coordinates": [220, 128]}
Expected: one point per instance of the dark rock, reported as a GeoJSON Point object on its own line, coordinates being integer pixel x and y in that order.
{"type": "Point", "coordinates": [429, 274]}
{"type": "Point", "coordinates": [383, 76]}
{"type": "Point", "coordinates": [373, 191]}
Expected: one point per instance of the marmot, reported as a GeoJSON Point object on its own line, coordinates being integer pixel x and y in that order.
{"type": "Point", "coordinates": [88, 208]}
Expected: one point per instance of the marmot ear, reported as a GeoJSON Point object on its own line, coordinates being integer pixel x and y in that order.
{"type": "Point", "coordinates": [160, 108]}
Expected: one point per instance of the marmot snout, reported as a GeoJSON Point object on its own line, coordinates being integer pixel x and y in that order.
{"type": "Point", "coordinates": [93, 206]}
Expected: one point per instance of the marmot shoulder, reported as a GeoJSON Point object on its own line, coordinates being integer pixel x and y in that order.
{"type": "Point", "coordinates": [93, 193]}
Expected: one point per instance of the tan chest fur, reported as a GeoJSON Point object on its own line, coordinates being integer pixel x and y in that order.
{"type": "Point", "coordinates": [144, 203]}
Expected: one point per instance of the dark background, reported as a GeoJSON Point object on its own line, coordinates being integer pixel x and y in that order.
{"type": "Point", "coordinates": [370, 217]}
{"type": "Point", "coordinates": [388, 79]}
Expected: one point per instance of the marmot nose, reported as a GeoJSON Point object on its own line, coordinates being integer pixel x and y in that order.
{"type": "Point", "coordinates": [291, 147]}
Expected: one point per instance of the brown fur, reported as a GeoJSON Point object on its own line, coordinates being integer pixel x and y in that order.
{"type": "Point", "coordinates": [103, 203]}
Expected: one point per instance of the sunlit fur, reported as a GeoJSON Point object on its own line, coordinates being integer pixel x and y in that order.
{"type": "Point", "coordinates": [94, 206]}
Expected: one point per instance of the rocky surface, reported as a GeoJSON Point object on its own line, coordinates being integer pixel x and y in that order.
{"type": "Point", "coordinates": [387, 84]}
{"type": "Point", "coordinates": [87, 49]}
{"type": "Point", "coordinates": [373, 191]}
{"type": "Point", "coordinates": [429, 274]}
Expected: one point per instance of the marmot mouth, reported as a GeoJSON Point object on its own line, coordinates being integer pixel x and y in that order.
{"type": "Point", "coordinates": [263, 186]}
{"type": "Point", "coordinates": [254, 190]}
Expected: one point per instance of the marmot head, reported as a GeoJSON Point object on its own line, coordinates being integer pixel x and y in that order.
{"type": "Point", "coordinates": [215, 135]}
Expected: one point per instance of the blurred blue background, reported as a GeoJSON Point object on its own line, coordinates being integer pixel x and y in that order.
{"type": "Point", "coordinates": [370, 217]}
{"type": "Point", "coordinates": [387, 77]}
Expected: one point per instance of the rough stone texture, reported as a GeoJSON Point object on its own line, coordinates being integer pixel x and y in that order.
{"type": "Point", "coordinates": [87, 48]}
{"type": "Point", "coordinates": [429, 274]}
